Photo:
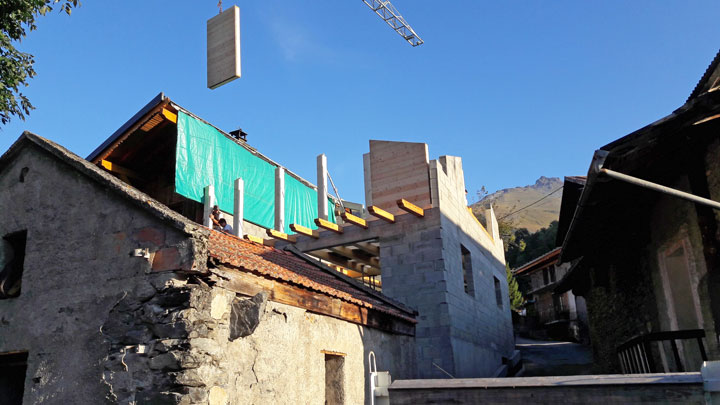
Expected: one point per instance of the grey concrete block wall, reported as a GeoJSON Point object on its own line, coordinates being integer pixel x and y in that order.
{"type": "Point", "coordinates": [465, 335]}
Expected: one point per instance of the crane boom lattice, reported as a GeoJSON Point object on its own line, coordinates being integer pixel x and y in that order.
{"type": "Point", "coordinates": [392, 17]}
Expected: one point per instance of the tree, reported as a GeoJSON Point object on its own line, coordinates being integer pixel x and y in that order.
{"type": "Point", "coordinates": [16, 68]}
{"type": "Point", "coordinates": [516, 298]}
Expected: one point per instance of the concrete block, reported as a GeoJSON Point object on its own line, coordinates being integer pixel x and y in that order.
{"type": "Point", "coordinates": [223, 48]}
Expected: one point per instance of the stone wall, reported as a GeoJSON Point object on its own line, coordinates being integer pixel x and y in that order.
{"type": "Point", "coordinates": [79, 274]}
{"type": "Point", "coordinates": [283, 359]}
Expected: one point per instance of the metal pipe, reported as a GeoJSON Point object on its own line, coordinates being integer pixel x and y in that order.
{"type": "Point", "coordinates": [659, 188]}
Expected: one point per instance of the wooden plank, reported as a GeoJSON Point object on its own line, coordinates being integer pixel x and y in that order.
{"type": "Point", "coordinates": [114, 168]}
{"type": "Point", "coordinates": [360, 257]}
{"type": "Point", "coordinates": [333, 353]}
{"type": "Point", "coordinates": [249, 284]}
{"type": "Point", "coordinates": [304, 231]}
{"type": "Point", "coordinates": [407, 206]}
{"type": "Point", "coordinates": [381, 213]}
{"type": "Point", "coordinates": [354, 220]}
{"type": "Point", "coordinates": [169, 115]}
{"type": "Point", "coordinates": [130, 131]}
{"type": "Point", "coordinates": [282, 236]}
{"type": "Point", "coordinates": [344, 262]}
{"type": "Point", "coordinates": [258, 240]}
{"type": "Point", "coordinates": [368, 247]}
{"type": "Point", "coordinates": [328, 225]}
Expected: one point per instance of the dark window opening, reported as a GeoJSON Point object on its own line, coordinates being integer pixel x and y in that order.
{"type": "Point", "coordinates": [334, 377]}
{"type": "Point", "coordinates": [12, 259]}
{"type": "Point", "coordinates": [552, 274]}
{"type": "Point", "coordinates": [546, 278]}
{"type": "Point", "coordinates": [13, 367]}
{"type": "Point", "coordinates": [498, 293]}
{"type": "Point", "coordinates": [467, 271]}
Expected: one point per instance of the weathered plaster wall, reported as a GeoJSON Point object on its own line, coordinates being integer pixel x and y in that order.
{"type": "Point", "coordinates": [78, 271]}
{"type": "Point", "coordinates": [282, 360]}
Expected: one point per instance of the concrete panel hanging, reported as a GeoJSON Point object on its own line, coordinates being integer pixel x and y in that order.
{"type": "Point", "coordinates": [223, 48]}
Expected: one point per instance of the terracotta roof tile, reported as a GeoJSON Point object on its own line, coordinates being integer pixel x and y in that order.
{"type": "Point", "coordinates": [287, 266]}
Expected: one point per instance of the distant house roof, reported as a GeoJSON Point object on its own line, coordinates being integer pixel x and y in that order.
{"type": "Point", "coordinates": [294, 267]}
{"type": "Point", "coordinates": [539, 263]}
{"type": "Point", "coordinates": [709, 80]}
{"type": "Point", "coordinates": [572, 188]}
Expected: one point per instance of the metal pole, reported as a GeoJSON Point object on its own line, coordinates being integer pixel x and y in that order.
{"type": "Point", "coordinates": [662, 189]}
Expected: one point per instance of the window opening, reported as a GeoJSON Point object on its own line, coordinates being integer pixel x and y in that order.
{"type": "Point", "coordinates": [467, 271]}
{"type": "Point", "coordinates": [12, 259]}
{"type": "Point", "coordinates": [13, 367]}
{"type": "Point", "coordinates": [498, 293]}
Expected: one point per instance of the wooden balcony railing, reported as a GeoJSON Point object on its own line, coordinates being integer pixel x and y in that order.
{"type": "Point", "coordinates": [635, 354]}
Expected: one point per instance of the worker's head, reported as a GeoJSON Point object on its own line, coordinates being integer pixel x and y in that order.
{"type": "Point", "coordinates": [215, 208]}
{"type": "Point", "coordinates": [222, 222]}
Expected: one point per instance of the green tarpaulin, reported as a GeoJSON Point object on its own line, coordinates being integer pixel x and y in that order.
{"type": "Point", "coordinates": [301, 204]}
{"type": "Point", "coordinates": [205, 156]}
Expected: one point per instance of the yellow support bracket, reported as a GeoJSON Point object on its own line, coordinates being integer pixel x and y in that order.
{"type": "Point", "coordinates": [407, 206]}
{"type": "Point", "coordinates": [282, 236]}
{"type": "Point", "coordinates": [328, 225]}
{"type": "Point", "coordinates": [299, 229]}
{"type": "Point", "coordinates": [354, 220]}
{"type": "Point", "coordinates": [381, 213]}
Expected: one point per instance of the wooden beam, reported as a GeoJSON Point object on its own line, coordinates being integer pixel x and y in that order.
{"type": "Point", "coordinates": [407, 206]}
{"type": "Point", "coordinates": [260, 241]}
{"type": "Point", "coordinates": [368, 247]}
{"type": "Point", "coordinates": [282, 236]}
{"type": "Point", "coordinates": [328, 225]}
{"type": "Point", "coordinates": [114, 168]}
{"type": "Point", "coordinates": [249, 284]}
{"type": "Point", "coordinates": [354, 220]}
{"type": "Point", "coordinates": [304, 231]}
{"type": "Point", "coordinates": [169, 115]}
{"type": "Point", "coordinates": [350, 254]}
{"type": "Point", "coordinates": [381, 213]}
{"type": "Point", "coordinates": [342, 261]}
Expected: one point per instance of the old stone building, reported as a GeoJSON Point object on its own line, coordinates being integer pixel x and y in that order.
{"type": "Point", "coordinates": [120, 298]}
{"type": "Point", "coordinates": [114, 286]}
{"type": "Point", "coordinates": [644, 230]}
{"type": "Point", "coordinates": [561, 316]}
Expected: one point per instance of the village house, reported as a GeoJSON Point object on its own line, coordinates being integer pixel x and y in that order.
{"type": "Point", "coordinates": [113, 286]}
{"type": "Point", "coordinates": [560, 316]}
{"type": "Point", "coordinates": [643, 234]}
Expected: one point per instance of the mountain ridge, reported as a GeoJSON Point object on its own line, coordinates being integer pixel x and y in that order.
{"type": "Point", "coordinates": [532, 212]}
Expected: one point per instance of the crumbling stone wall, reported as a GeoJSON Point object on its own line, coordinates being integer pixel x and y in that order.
{"type": "Point", "coordinates": [85, 297]}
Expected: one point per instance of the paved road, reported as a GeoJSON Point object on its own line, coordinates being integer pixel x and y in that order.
{"type": "Point", "coordinates": [545, 358]}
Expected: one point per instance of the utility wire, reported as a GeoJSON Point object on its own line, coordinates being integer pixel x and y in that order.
{"type": "Point", "coordinates": [531, 204]}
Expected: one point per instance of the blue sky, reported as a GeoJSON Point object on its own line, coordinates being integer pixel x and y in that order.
{"type": "Point", "coordinates": [518, 89]}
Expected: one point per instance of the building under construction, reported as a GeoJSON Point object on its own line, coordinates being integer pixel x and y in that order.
{"type": "Point", "coordinates": [114, 285]}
